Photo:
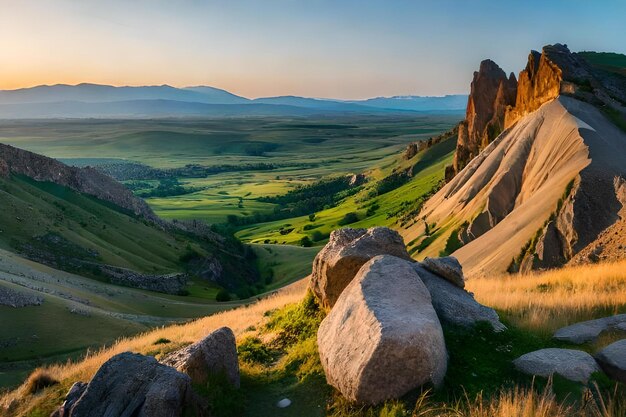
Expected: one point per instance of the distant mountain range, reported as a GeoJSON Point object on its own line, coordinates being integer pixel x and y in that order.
{"type": "Point", "coordinates": [105, 101]}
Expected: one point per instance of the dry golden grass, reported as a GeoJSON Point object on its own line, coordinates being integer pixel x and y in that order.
{"type": "Point", "coordinates": [546, 301]}
{"type": "Point", "coordinates": [19, 401]}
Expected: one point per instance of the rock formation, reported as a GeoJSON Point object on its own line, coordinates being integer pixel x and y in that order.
{"type": "Point", "coordinates": [490, 93]}
{"type": "Point", "coordinates": [344, 254]}
{"type": "Point", "coordinates": [85, 180]}
{"type": "Point", "coordinates": [548, 186]}
{"type": "Point", "coordinates": [382, 338]}
{"type": "Point", "coordinates": [129, 384]}
{"type": "Point", "coordinates": [574, 365]}
{"type": "Point", "coordinates": [215, 355]}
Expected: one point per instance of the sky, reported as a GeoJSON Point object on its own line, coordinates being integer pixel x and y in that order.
{"type": "Point", "coordinates": [348, 49]}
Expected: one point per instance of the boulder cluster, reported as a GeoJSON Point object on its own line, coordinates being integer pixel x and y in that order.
{"type": "Point", "coordinates": [131, 384]}
{"type": "Point", "coordinates": [383, 334]}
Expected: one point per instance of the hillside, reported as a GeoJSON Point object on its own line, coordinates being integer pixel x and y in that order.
{"type": "Point", "coordinates": [548, 185]}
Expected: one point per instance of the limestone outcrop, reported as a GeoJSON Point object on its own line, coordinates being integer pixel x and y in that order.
{"type": "Point", "coordinates": [587, 331]}
{"type": "Point", "coordinates": [447, 267]}
{"type": "Point", "coordinates": [382, 338]}
{"type": "Point", "coordinates": [344, 254]}
{"type": "Point", "coordinates": [215, 355]}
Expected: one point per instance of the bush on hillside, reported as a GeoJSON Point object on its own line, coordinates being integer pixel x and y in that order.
{"type": "Point", "coordinates": [39, 380]}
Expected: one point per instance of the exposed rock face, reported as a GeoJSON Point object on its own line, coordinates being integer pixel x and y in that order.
{"type": "Point", "coordinates": [4, 169]}
{"type": "Point", "coordinates": [587, 331]}
{"type": "Point", "coordinates": [455, 305]}
{"type": "Point", "coordinates": [490, 92]}
{"type": "Point", "coordinates": [216, 354]}
{"type": "Point", "coordinates": [168, 284]}
{"type": "Point", "coordinates": [85, 180]}
{"type": "Point", "coordinates": [612, 360]}
{"type": "Point", "coordinates": [16, 299]}
{"type": "Point", "coordinates": [574, 365]}
{"type": "Point", "coordinates": [447, 267]}
{"type": "Point", "coordinates": [135, 385]}
{"type": "Point", "coordinates": [382, 338]}
{"type": "Point", "coordinates": [344, 254]}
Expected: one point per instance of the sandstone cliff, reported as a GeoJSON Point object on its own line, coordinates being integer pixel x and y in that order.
{"type": "Point", "coordinates": [490, 93]}
{"type": "Point", "coordinates": [85, 180]}
{"type": "Point", "coordinates": [545, 189]}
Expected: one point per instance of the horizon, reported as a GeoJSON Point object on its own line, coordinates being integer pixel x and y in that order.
{"type": "Point", "coordinates": [346, 51]}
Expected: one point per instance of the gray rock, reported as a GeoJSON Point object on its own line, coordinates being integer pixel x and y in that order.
{"type": "Point", "coordinates": [587, 331]}
{"type": "Point", "coordinates": [214, 355]}
{"type": "Point", "coordinates": [382, 338]}
{"type": "Point", "coordinates": [574, 365]}
{"type": "Point", "coordinates": [72, 396]}
{"type": "Point", "coordinates": [612, 360]}
{"type": "Point", "coordinates": [455, 305]}
{"type": "Point", "coordinates": [17, 299]}
{"type": "Point", "coordinates": [345, 253]}
{"type": "Point", "coordinates": [130, 384]}
{"type": "Point", "coordinates": [447, 267]}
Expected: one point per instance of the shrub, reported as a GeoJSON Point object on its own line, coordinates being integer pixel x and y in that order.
{"type": "Point", "coordinates": [222, 296]}
{"type": "Point", "coordinates": [297, 322]}
{"type": "Point", "coordinates": [349, 218]}
{"type": "Point", "coordinates": [161, 341]}
{"type": "Point", "coordinates": [306, 242]}
{"type": "Point", "coordinates": [253, 351]}
{"type": "Point", "coordinates": [39, 380]}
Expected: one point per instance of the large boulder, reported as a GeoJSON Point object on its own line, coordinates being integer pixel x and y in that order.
{"type": "Point", "coordinates": [345, 253]}
{"type": "Point", "coordinates": [447, 267]}
{"type": "Point", "coordinates": [382, 338]}
{"type": "Point", "coordinates": [587, 331]}
{"type": "Point", "coordinates": [455, 305]}
{"type": "Point", "coordinates": [216, 354]}
{"type": "Point", "coordinates": [612, 360]}
{"type": "Point", "coordinates": [130, 384]}
{"type": "Point", "coordinates": [574, 365]}
{"type": "Point", "coordinates": [73, 395]}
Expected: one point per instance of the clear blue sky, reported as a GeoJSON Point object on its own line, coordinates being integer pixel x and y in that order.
{"type": "Point", "coordinates": [320, 48]}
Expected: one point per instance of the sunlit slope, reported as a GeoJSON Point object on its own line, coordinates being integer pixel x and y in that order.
{"type": "Point", "coordinates": [504, 201]}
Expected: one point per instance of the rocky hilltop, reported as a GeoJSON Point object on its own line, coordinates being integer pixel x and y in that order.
{"type": "Point", "coordinates": [85, 180]}
{"type": "Point", "coordinates": [547, 186]}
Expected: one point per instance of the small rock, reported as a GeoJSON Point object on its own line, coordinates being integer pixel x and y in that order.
{"type": "Point", "coordinates": [447, 267]}
{"type": "Point", "coordinates": [72, 396]}
{"type": "Point", "coordinates": [587, 331]}
{"type": "Point", "coordinates": [344, 254]}
{"type": "Point", "coordinates": [382, 338]}
{"type": "Point", "coordinates": [574, 365]}
{"type": "Point", "coordinates": [284, 403]}
{"type": "Point", "coordinates": [612, 360]}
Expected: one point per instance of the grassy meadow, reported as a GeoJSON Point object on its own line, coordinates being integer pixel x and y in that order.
{"type": "Point", "coordinates": [278, 356]}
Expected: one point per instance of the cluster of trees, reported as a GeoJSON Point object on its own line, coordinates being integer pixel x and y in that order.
{"type": "Point", "coordinates": [168, 187]}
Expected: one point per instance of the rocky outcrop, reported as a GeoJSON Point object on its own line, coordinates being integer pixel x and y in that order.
{"type": "Point", "coordinates": [455, 306]}
{"type": "Point", "coordinates": [612, 360]}
{"type": "Point", "coordinates": [85, 180]}
{"type": "Point", "coordinates": [447, 267]}
{"type": "Point", "coordinates": [215, 355]}
{"type": "Point", "coordinates": [490, 93]}
{"type": "Point", "coordinates": [382, 338]}
{"type": "Point", "coordinates": [574, 365]}
{"type": "Point", "coordinates": [4, 169]}
{"type": "Point", "coordinates": [344, 254]}
{"type": "Point", "coordinates": [587, 331]}
{"type": "Point", "coordinates": [16, 299]}
{"type": "Point", "coordinates": [129, 384]}
{"type": "Point", "coordinates": [168, 284]}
